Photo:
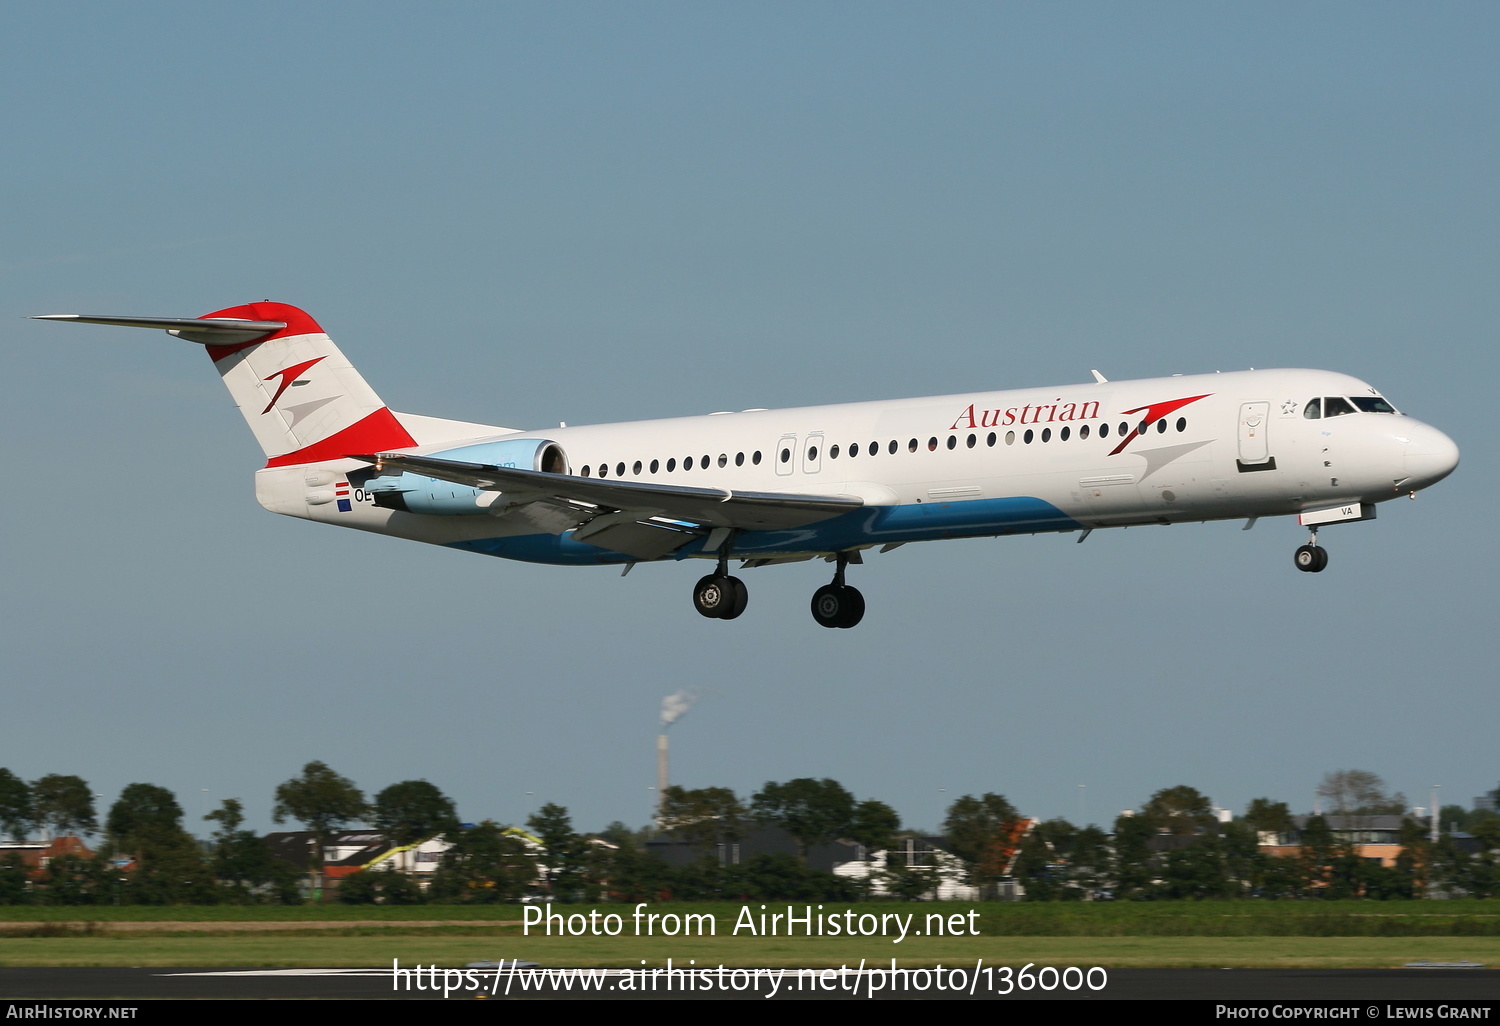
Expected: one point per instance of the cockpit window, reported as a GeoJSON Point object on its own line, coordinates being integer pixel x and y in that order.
{"type": "Point", "coordinates": [1371, 404]}
{"type": "Point", "coordinates": [1313, 410]}
{"type": "Point", "coordinates": [1336, 406]}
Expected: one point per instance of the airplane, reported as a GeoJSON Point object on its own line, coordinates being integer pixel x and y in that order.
{"type": "Point", "coordinates": [777, 486]}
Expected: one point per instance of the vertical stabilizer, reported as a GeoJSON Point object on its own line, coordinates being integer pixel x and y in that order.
{"type": "Point", "coordinates": [301, 397]}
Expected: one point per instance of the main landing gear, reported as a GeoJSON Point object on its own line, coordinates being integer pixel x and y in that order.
{"type": "Point", "coordinates": [722, 597]}
{"type": "Point", "coordinates": [719, 596]}
{"type": "Point", "coordinates": [838, 604]}
{"type": "Point", "coordinates": [1312, 557]}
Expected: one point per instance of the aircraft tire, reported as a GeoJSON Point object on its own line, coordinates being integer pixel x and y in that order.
{"type": "Point", "coordinates": [836, 606]}
{"type": "Point", "coordinates": [713, 596]}
{"type": "Point", "coordinates": [1322, 559]}
{"type": "Point", "coordinates": [740, 597]}
{"type": "Point", "coordinates": [1306, 559]}
{"type": "Point", "coordinates": [856, 611]}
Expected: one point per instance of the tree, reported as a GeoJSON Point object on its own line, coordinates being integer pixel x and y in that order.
{"type": "Point", "coordinates": [487, 865]}
{"type": "Point", "coordinates": [15, 806]}
{"type": "Point", "coordinates": [1359, 793]}
{"type": "Point", "coordinates": [145, 818]}
{"type": "Point", "coordinates": [703, 817]}
{"type": "Point", "coordinates": [567, 851]}
{"type": "Point", "coordinates": [874, 826]}
{"type": "Point", "coordinates": [380, 887]}
{"type": "Point", "coordinates": [1180, 810]}
{"type": "Point", "coordinates": [812, 811]}
{"type": "Point", "coordinates": [983, 832]}
{"type": "Point", "coordinates": [322, 801]}
{"type": "Point", "coordinates": [63, 805]}
{"type": "Point", "coordinates": [1268, 817]}
{"type": "Point", "coordinates": [241, 860]}
{"type": "Point", "coordinates": [1133, 870]}
{"type": "Point", "coordinates": [412, 811]}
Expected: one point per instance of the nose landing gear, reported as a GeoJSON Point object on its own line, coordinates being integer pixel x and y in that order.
{"type": "Point", "coordinates": [838, 604]}
{"type": "Point", "coordinates": [1312, 557]}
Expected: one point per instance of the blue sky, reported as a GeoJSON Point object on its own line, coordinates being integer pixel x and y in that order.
{"type": "Point", "coordinates": [520, 214]}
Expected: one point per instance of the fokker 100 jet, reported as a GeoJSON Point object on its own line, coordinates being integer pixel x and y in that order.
{"type": "Point", "coordinates": [777, 486]}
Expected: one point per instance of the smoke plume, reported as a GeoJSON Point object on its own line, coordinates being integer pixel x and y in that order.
{"type": "Point", "coordinates": [675, 707]}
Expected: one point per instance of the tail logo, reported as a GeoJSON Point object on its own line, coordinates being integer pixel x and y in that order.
{"type": "Point", "coordinates": [288, 378]}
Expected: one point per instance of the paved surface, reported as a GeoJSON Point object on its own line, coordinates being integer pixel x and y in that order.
{"type": "Point", "coordinates": [1362, 986]}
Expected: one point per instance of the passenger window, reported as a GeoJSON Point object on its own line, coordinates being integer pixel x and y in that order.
{"type": "Point", "coordinates": [972, 440]}
{"type": "Point", "coordinates": [1010, 438]}
{"type": "Point", "coordinates": [739, 459]}
{"type": "Point", "coordinates": [619, 470]}
{"type": "Point", "coordinates": [636, 470]}
{"type": "Point", "coordinates": [723, 459]}
{"type": "Point", "coordinates": [655, 466]}
{"type": "Point", "coordinates": [604, 470]}
{"type": "Point", "coordinates": [875, 447]}
{"type": "Point", "coordinates": [812, 453]}
{"type": "Point", "coordinates": [833, 452]}
{"type": "Point", "coordinates": [687, 464]}
{"type": "Point", "coordinates": [586, 470]}
{"type": "Point", "coordinates": [853, 450]}
{"type": "Point", "coordinates": [952, 441]}
{"type": "Point", "coordinates": [1046, 434]}
{"type": "Point", "coordinates": [932, 445]}
{"type": "Point", "coordinates": [1103, 430]}
{"type": "Point", "coordinates": [1124, 429]}
{"type": "Point", "coordinates": [786, 455]}
{"type": "Point", "coordinates": [1083, 432]}
{"type": "Point", "coordinates": [990, 441]}
{"type": "Point", "coordinates": [1161, 426]}
{"type": "Point", "coordinates": [1181, 425]}
{"type": "Point", "coordinates": [911, 446]}
{"type": "Point", "coordinates": [671, 464]}
{"type": "Point", "coordinates": [1313, 410]}
{"type": "Point", "coordinates": [1027, 436]}
{"type": "Point", "coordinates": [756, 458]}
{"type": "Point", "coordinates": [1062, 436]}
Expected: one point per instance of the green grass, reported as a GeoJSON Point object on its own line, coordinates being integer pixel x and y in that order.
{"type": "Point", "coordinates": [1112, 952]}
{"type": "Point", "coordinates": [1121, 934]}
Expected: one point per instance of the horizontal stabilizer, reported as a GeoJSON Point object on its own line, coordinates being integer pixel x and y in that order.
{"type": "Point", "coordinates": [208, 331]}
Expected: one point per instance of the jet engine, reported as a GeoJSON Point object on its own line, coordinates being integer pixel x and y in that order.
{"type": "Point", "coordinates": [411, 493]}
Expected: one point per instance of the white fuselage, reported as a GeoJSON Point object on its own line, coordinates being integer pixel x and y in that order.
{"type": "Point", "coordinates": [1161, 450]}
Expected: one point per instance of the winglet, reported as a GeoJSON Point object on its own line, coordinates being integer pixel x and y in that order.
{"type": "Point", "coordinates": [1099, 378]}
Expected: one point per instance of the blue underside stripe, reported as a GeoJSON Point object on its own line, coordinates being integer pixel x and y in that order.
{"type": "Point", "coordinates": [877, 525]}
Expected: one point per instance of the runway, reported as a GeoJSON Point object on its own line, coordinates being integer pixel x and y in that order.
{"type": "Point", "coordinates": [1257, 986]}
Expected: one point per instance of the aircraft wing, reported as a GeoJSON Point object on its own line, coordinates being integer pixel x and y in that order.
{"type": "Point", "coordinates": [638, 518]}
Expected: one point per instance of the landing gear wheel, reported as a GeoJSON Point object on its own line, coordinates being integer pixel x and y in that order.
{"type": "Point", "coordinates": [712, 595]}
{"type": "Point", "coordinates": [740, 600]}
{"type": "Point", "coordinates": [838, 605]}
{"type": "Point", "coordinates": [1311, 559]}
{"type": "Point", "coordinates": [720, 597]}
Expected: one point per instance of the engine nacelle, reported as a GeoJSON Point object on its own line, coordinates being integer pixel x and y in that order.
{"type": "Point", "coordinates": [411, 493]}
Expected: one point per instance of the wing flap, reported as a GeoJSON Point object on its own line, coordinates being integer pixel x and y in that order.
{"type": "Point", "coordinates": [701, 507]}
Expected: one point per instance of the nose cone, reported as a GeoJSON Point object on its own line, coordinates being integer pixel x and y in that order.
{"type": "Point", "coordinates": [1430, 456]}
